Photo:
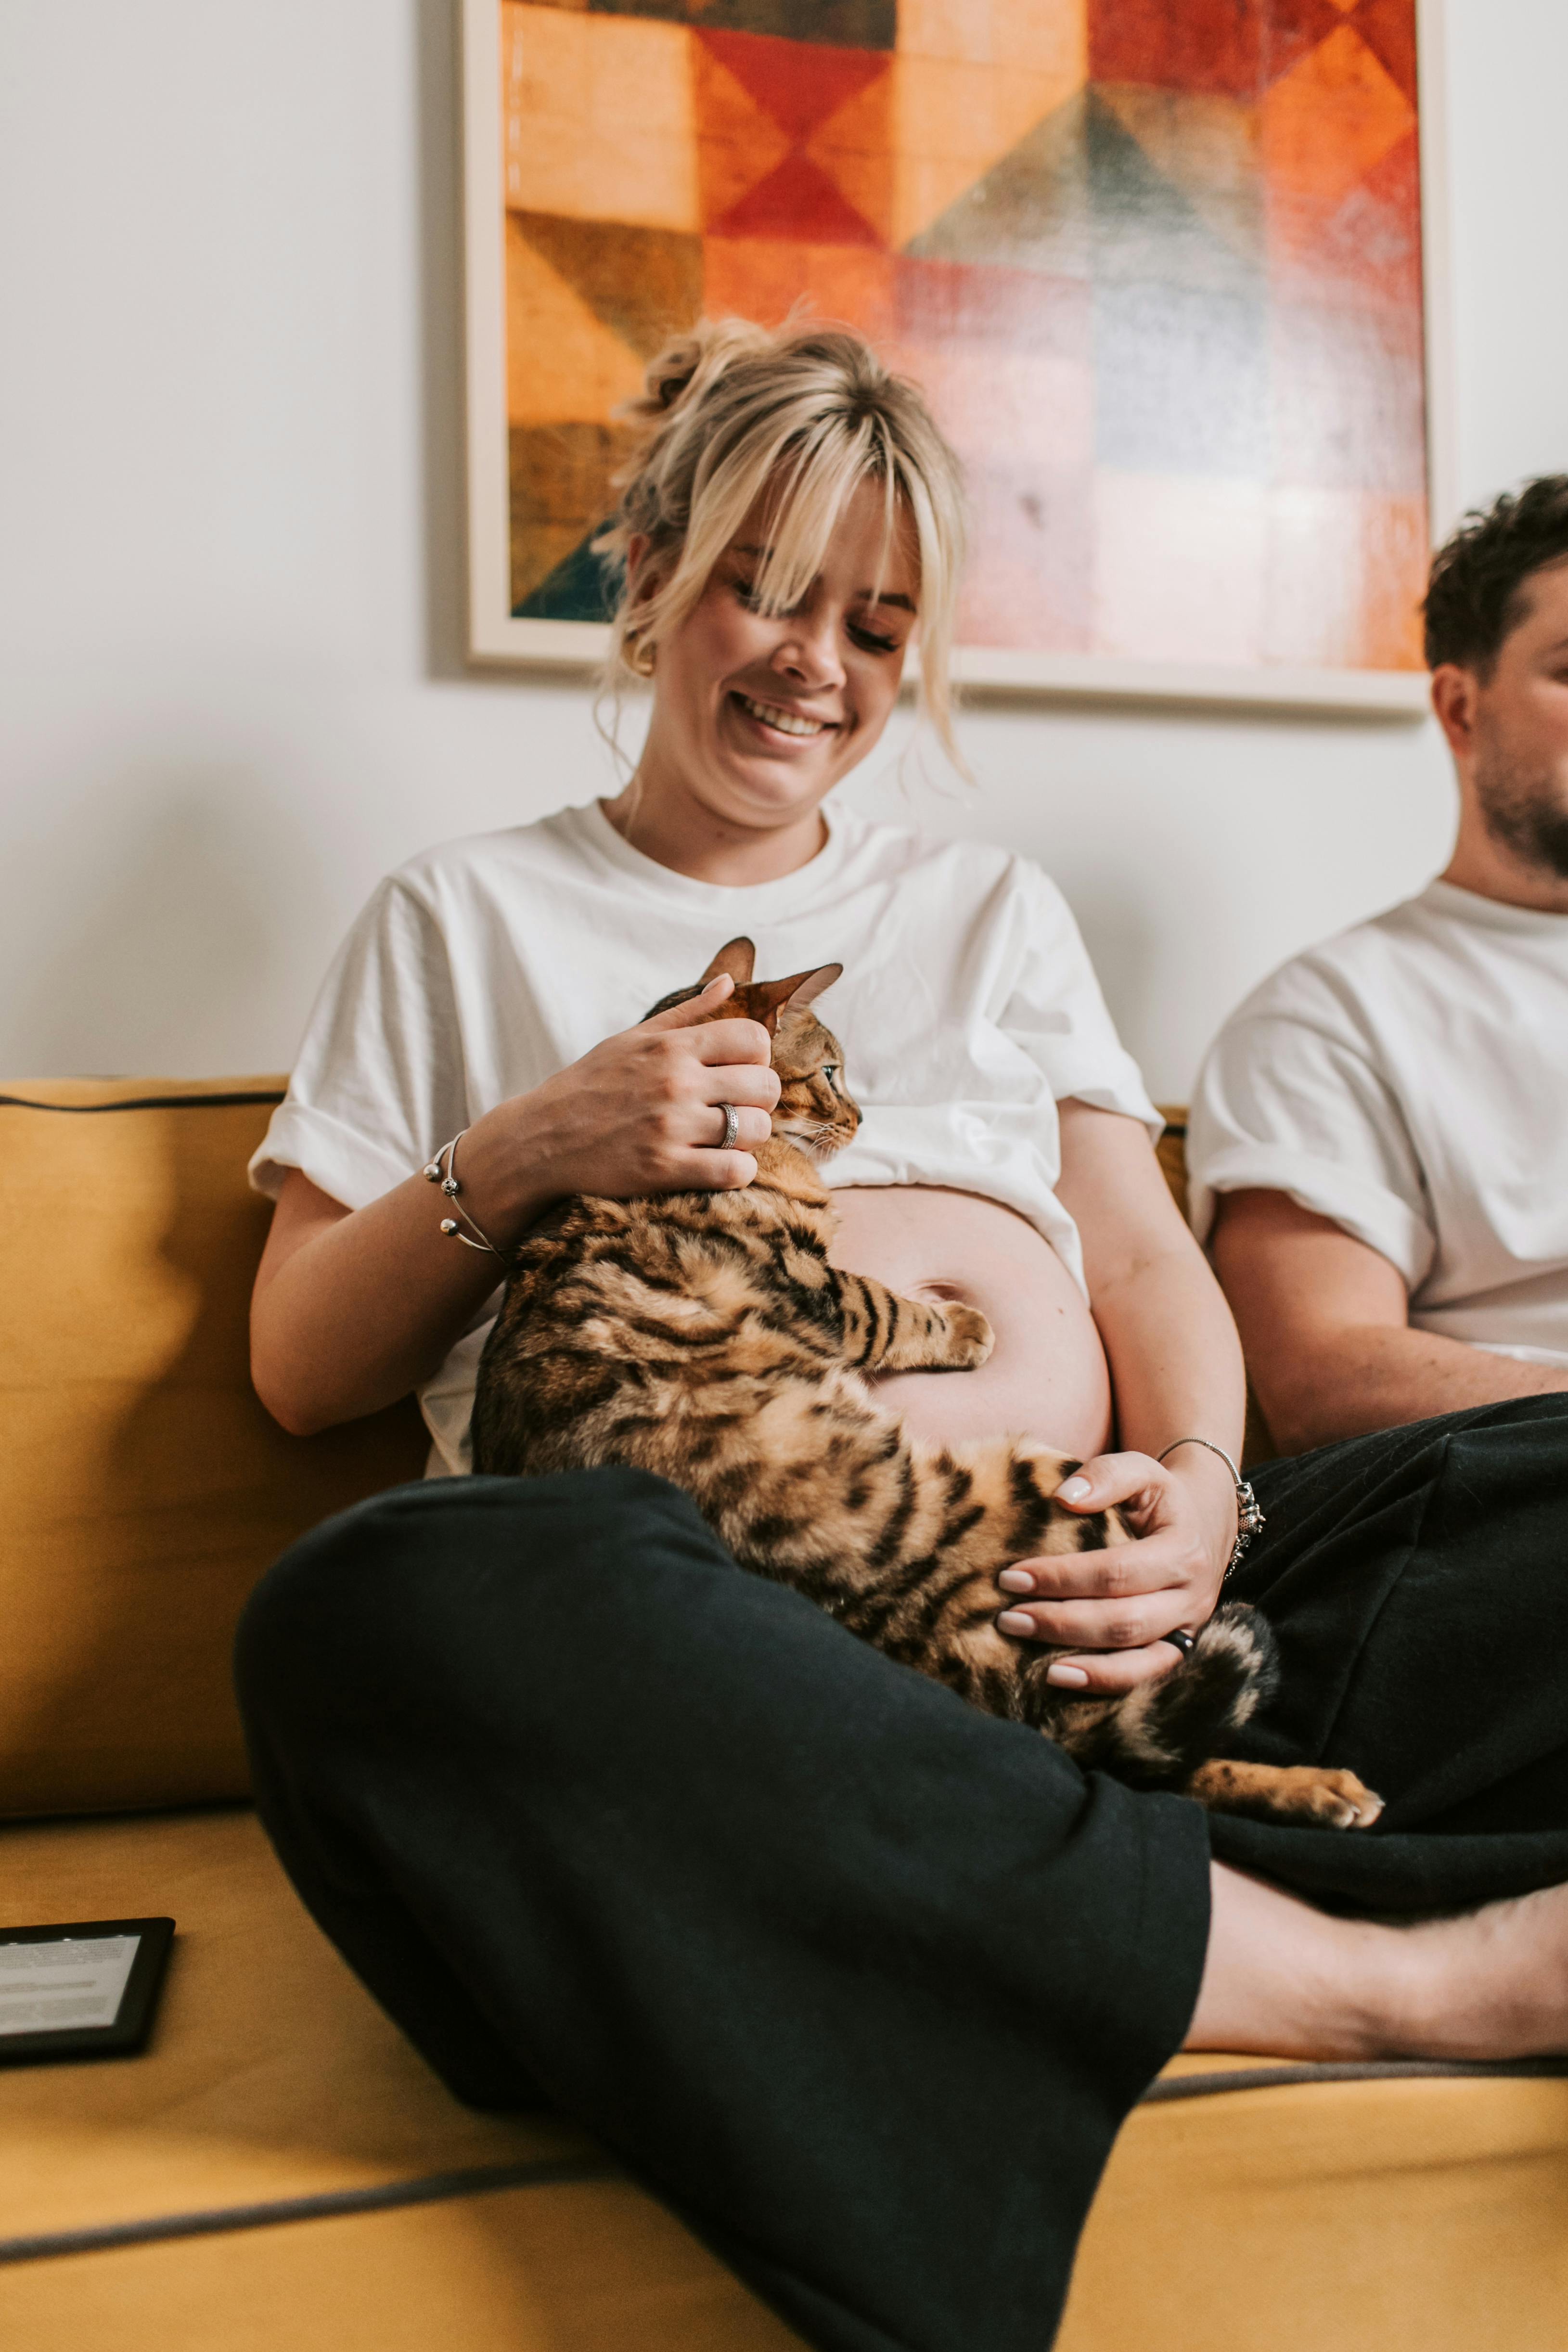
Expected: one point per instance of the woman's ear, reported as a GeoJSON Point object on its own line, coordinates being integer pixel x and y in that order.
{"type": "Point", "coordinates": [738, 958]}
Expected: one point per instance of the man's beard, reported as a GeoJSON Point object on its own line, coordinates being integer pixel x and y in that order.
{"type": "Point", "coordinates": [1525, 813]}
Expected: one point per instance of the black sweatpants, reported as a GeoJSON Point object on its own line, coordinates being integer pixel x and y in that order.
{"type": "Point", "coordinates": [860, 1980]}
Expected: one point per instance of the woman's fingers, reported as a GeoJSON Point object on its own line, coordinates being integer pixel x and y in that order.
{"type": "Point", "coordinates": [692, 1008]}
{"type": "Point", "coordinates": [1098, 1624]}
{"type": "Point", "coordinates": [1103, 1675]}
{"type": "Point", "coordinates": [1120, 1573]}
{"type": "Point", "coordinates": [734, 1041]}
{"type": "Point", "coordinates": [1110, 1478]}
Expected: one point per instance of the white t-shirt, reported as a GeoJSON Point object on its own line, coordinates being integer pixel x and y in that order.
{"type": "Point", "coordinates": [1409, 1079]}
{"type": "Point", "coordinates": [967, 1009]}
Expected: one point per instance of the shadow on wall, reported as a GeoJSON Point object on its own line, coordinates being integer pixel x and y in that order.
{"type": "Point", "coordinates": [165, 951]}
{"type": "Point", "coordinates": [440, 262]}
{"type": "Point", "coordinates": [1118, 934]}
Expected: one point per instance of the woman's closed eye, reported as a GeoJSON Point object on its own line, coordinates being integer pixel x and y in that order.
{"type": "Point", "coordinates": [873, 640]}
{"type": "Point", "coordinates": [876, 641]}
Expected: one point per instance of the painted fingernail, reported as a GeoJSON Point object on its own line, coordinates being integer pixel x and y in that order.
{"type": "Point", "coordinates": [1014, 1621]}
{"type": "Point", "coordinates": [1073, 1490]}
{"type": "Point", "coordinates": [1066, 1678]}
{"type": "Point", "coordinates": [1015, 1580]}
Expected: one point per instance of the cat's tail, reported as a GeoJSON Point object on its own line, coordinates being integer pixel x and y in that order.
{"type": "Point", "coordinates": [1157, 1736]}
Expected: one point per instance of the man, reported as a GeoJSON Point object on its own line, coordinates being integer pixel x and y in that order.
{"type": "Point", "coordinates": [1380, 1138]}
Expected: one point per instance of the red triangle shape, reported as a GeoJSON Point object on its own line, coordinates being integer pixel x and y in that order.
{"type": "Point", "coordinates": [1388, 29]}
{"type": "Point", "coordinates": [1295, 26]}
{"type": "Point", "coordinates": [801, 84]}
{"type": "Point", "coordinates": [799, 204]}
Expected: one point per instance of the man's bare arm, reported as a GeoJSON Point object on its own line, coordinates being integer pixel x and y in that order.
{"type": "Point", "coordinates": [1324, 1322]}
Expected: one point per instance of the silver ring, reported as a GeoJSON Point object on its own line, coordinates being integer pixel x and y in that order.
{"type": "Point", "coordinates": [731, 1124]}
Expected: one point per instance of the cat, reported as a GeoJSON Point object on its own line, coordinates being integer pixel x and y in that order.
{"type": "Point", "coordinates": [705, 1337]}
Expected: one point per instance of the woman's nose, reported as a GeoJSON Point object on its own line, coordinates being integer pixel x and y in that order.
{"type": "Point", "coordinates": [810, 654]}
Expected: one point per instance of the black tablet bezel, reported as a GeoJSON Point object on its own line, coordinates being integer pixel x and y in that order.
{"type": "Point", "coordinates": [133, 2020]}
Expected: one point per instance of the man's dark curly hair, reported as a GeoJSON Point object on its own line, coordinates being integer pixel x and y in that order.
{"type": "Point", "coordinates": [1476, 594]}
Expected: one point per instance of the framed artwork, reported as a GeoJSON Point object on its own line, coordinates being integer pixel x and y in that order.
{"type": "Point", "coordinates": [1168, 271]}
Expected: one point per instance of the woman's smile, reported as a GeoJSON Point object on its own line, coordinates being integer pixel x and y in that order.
{"type": "Point", "coordinates": [775, 719]}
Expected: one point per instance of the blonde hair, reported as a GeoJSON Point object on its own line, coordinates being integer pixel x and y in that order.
{"type": "Point", "coordinates": [732, 411]}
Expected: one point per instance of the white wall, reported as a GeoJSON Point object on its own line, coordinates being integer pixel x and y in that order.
{"type": "Point", "coordinates": [230, 690]}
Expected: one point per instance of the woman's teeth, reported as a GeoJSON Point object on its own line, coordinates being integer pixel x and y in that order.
{"type": "Point", "coordinates": [788, 722]}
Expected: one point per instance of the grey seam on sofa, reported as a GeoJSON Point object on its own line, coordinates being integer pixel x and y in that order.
{"type": "Point", "coordinates": [143, 1102]}
{"type": "Point", "coordinates": [432, 2188]}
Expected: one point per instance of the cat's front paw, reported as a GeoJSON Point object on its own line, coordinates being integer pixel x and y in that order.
{"type": "Point", "coordinates": [970, 1339]}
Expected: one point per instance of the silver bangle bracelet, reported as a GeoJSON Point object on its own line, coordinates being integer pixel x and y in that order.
{"type": "Point", "coordinates": [475, 1238]}
{"type": "Point", "coordinates": [1249, 1516]}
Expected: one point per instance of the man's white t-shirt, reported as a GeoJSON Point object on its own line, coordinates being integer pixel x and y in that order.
{"type": "Point", "coordinates": [1409, 1079]}
{"type": "Point", "coordinates": [967, 1009]}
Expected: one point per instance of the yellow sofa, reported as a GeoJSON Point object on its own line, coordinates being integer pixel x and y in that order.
{"type": "Point", "coordinates": [279, 2172]}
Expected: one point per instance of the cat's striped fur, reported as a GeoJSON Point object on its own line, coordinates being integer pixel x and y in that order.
{"type": "Point", "coordinates": [705, 1337]}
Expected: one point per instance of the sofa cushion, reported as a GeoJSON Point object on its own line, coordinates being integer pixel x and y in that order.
{"type": "Point", "coordinates": [143, 1488]}
{"type": "Point", "coordinates": [280, 2169]}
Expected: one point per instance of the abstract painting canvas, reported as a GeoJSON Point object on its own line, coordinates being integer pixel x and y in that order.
{"type": "Point", "coordinates": [1158, 265]}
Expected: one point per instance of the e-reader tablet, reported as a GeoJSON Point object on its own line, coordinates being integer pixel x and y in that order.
{"type": "Point", "coordinates": [84, 1990]}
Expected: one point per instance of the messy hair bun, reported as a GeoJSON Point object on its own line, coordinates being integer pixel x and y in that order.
{"type": "Point", "coordinates": [733, 410]}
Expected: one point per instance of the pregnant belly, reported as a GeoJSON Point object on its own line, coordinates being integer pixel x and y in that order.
{"type": "Point", "coordinates": [1048, 1377]}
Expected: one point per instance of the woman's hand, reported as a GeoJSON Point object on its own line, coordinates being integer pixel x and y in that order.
{"type": "Point", "coordinates": [354, 1309]}
{"type": "Point", "coordinates": [640, 1113]}
{"type": "Point", "coordinates": [1111, 1609]}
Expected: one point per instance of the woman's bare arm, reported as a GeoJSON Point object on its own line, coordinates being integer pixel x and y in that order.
{"type": "Point", "coordinates": [353, 1308]}
{"type": "Point", "coordinates": [1326, 1320]}
{"type": "Point", "coordinates": [1176, 1369]}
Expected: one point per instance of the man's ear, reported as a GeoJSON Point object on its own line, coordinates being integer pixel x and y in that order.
{"type": "Point", "coordinates": [1454, 691]}
{"type": "Point", "coordinates": [738, 958]}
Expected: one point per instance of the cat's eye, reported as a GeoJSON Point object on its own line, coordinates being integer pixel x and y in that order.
{"type": "Point", "coordinates": [830, 1072]}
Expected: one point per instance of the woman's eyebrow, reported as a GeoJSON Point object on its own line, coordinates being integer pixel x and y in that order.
{"type": "Point", "coordinates": [862, 595]}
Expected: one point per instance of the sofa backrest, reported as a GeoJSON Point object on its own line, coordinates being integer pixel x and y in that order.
{"type": "Point", "coordinates": [145, 1488]}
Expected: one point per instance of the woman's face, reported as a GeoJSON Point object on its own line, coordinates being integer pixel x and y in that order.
{"type": "Point", "coordinates": [756, 718]}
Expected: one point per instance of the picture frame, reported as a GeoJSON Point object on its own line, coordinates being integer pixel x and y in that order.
{"type": "Point", "coordinates": [1124, 668]}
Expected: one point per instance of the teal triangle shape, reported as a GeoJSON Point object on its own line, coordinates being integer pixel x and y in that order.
{"type": "Point", "coordinates": [1077, 197]}
{"type": "Point", "coordinates": [583, 587]}
{"type": "Point", "coordinates": [1145, 227]}
{"type": "Point", "coordinates": [1030, 211]}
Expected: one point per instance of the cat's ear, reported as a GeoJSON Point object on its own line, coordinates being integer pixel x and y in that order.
{"type": "Point", "coordinates": [811, 985]}
{"type": "Point", "coordinates": [771, 998]}
{"type": "Point", "coordinates": [738, 958]}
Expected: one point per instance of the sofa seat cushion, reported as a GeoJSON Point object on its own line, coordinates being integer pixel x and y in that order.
{"type": "Point", "coordinates": [158, 2199]}
{"type": "Point", "coordinates": [154, 2201]}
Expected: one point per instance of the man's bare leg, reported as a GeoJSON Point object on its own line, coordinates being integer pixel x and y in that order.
{"type": "Point", "coordinates": [1286, 1980]}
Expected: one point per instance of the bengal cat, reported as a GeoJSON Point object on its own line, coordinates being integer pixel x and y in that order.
{"type": "Point", "coordinates": [705, 1337]}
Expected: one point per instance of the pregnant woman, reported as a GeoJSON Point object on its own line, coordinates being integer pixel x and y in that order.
{"type": "Point", "coordinates": [861, 1980]}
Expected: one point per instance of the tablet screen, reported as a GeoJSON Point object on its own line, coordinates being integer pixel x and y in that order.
{"type": "Point", "coordinates": [83, 1989]}
{"type": "Point", "coordinates": [80, 1980]}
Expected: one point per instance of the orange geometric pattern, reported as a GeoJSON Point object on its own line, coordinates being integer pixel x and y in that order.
{"type": "Point", "coordinates": [1157, 264]}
